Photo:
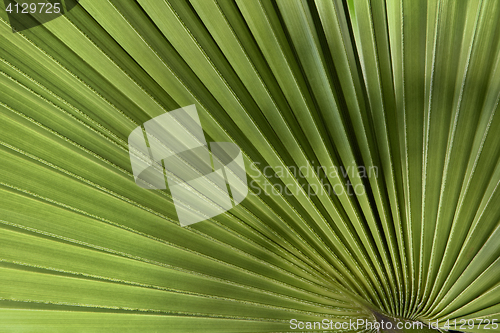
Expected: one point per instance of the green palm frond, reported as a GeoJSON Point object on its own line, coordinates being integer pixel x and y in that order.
{"type": "Point", "coordinates": [369, 131]}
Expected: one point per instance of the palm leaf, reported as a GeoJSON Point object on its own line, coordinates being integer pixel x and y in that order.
{"type": "Point", "coordinates": [396, 101]}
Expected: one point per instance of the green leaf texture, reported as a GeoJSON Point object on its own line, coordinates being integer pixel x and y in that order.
{"type": "Point", "coordinates": [397, 100]}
